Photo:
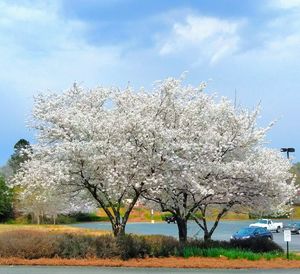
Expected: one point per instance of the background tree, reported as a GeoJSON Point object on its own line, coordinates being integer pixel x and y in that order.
{"type": "Point", "coordinates": [20, 154]}
{"type": "Point", "coordinates": [296, 171]}
{"type": "Point", "coordinates": [43, 204]}
{"type": "Point", "coordinates": [6, 171]}
{"type": "Point", "coordinates": [6, 198]}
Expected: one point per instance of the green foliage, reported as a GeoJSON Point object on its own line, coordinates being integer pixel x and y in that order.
{"type": "Point", "coordinates": [86, 217]}
{"type": "Point", "coordinates": [20, 220]}
{"type": "Point", "coordinates": [65, 219]}
{"type": "Point", "coordinates": [61, 219]}
{"type": "Point", "coordinates": [6, 198]}
{"type": "Point", "coordinates": [79, 217]}
{"type": "Point", "coordinates": [75, 246]}
{"type": "Point", "coordinates": [232, 253]}
{"type": "Point", "coordinates": [106, 247]}
{"type": "Point", "coordinates": [132, 247]}
{"type": "Point", "coordinates": [256, 245]}
{"type": "Point", "coordinates": [19, 156]}
{"type": "Point", "coordinates": [162, 246]}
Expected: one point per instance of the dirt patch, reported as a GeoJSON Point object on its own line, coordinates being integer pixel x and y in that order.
{"type": "Point", "coordinates": [172, 262]}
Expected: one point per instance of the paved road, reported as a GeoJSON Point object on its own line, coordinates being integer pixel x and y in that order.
{"type": "Point", "coordinates": [98, 270]}
{"type": "Point", "coordinates": [223, 231]}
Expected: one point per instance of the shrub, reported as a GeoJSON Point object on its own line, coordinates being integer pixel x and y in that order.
{"type": "Point", "coordinates": [131, 246]}
{"type": "Point", "coordinates": [64, 219]}
{"type": "Point", "coordinates": [162, 246]}
{"type": "Point", "coordinates": [35, 244]}
{"type": "Point", "coordinates": [85, 217]}
{"type": "Point", "coordinates": [27, 244]}
{"type": "Point", "coordinates": [208, 244]}
{"type": "Point", "coordinates": [76, 246]}
{"type": "Point", "coordinates": [106, 246]}
{"type": "Point", "coordinates": [256, 245]}
{"type": "Point", "coordinates": [231, 253]}
{"type": "Point", "coordinates": [24, 220]}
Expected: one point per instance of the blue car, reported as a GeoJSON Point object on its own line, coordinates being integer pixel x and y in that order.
{"type": "Point", "coordinates": [251, 233]}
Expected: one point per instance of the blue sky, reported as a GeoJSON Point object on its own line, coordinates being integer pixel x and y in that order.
{"type": "Point", "coordinates": [250, 46]}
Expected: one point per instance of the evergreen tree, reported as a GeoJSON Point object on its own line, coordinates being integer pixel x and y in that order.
{"type": "Point", "coordinates": [6, 198]}
{"type": "Point", "coordinates": [19, 156]}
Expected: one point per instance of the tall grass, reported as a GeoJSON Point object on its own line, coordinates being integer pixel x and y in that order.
{"type": "Point", "coordinates": [231, 253]}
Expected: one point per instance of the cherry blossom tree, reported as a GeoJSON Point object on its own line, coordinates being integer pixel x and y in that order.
{"type": "Point", "coordinates": [259, 180]}
{"type": "Point", "coordinates": [39, 195]}
{"type": "Point", "coordinates": [213, 156]}
{"type": "Point", "coordinates": [176, 146]}
{"type": "Point", "coordinates": [95, 142]}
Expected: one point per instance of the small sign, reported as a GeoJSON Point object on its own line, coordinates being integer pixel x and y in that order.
{"type": "Point", "coordinates": [287, 235]}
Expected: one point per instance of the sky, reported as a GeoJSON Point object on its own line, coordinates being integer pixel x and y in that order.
{"type": "Point", "coordinates": [248, 50]}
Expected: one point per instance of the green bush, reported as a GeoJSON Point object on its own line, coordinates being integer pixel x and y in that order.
{"type": "Point", "coordinates": [208, 244]}
{"type": "Point", "coordinates": [21, 220]}
{"type": "Point", "coordinates": [231, 253]}
{"type": "Point", "coordinates": [256, 245]}
{"type": "Point", "coordinates": [162, 246]}
{"type": "Point", "coordinates": [86, 217]}
{"type": "Point", "coordinates": [65, 219]}
{"type": "Point", "coordinates": [76, 246]}
{"type": "Point", "coordinates": [106, 246]}
{"type": "Point", "coordinates": [6, 199]}
{"type": "Point", "coordinates": [61, 219]}
{"type": "Point", "coordinates": [131, 246]}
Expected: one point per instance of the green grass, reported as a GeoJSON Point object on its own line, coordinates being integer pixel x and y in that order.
{"type": "Point", "coordinates": [233, 254]}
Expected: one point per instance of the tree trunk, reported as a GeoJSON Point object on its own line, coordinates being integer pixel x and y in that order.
{"type": "Point", "coordinates": [182, 229]}
{"type": "Point", "coordinates": [38, 219]}
{"type": "Point", "coordinates": [207, 235]}
{"type": "Point", "coordinates": [118, 230]}
{"type": "Point", "coordinates": [209, 232]}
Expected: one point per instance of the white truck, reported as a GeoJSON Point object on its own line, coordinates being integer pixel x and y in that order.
{"type": "Point", "coordinates": [268, 224]}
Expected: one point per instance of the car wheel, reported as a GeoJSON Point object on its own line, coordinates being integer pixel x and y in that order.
{"type": "Point", "coordinates": [278, 229]}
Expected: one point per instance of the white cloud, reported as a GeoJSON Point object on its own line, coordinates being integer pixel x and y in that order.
{"type": "Point", "coordinates": [284, 4]}
{"type": "Point", "coordinates": [204, 37]}
{"type": "Point", "coordinates": [13, 12]}
{"type": "Point", "coordinates": [281, 35]}
{"type": "Point", "coordinates": [40, 49]}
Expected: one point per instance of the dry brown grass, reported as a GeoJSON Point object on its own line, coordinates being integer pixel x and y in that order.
{"type": "Point", "coordinates": [172, 262]}
{"type": "Point", "coordinates": [27, 244]}
{"type": "Point", "coordinates": [59, 229]}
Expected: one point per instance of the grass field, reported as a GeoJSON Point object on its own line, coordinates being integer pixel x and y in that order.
{"type": "Point", "coordinates": [52, 229]}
